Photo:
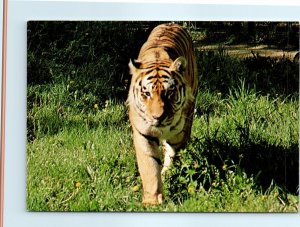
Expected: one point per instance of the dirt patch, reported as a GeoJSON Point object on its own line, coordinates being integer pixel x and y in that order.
{"type": "Point", "coordinates": [244, 51]}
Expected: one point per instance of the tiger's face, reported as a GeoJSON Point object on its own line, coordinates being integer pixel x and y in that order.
{"type": "Point", "coordinates": [158, 95]}
{"type": "Point", "coordinates": [159, 90]}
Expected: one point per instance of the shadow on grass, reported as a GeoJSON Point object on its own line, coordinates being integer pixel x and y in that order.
{"type": "Point", "coordinates": [267, 162]}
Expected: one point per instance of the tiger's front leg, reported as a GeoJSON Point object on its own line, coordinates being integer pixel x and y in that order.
{"type": "Point", "coordinates": [149, 164]}
{"type": "Point", "coordinates": [173, 145]}
{"type": "Point", "coordinates": [169, 153]}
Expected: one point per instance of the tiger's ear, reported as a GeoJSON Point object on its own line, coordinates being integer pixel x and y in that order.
{"type": "Point", "coordinates": [134, 66]}
{"type": "Point", "coordinates": [179, 64]}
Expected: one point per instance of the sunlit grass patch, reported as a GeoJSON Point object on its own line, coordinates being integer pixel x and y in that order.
{"type": "Point", "coordinates": [89, 163]}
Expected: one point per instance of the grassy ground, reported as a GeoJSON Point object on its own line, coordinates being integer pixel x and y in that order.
{"type": "Point", "coordinates": [84, 161]}
{"type": "Point", "coordinates": [243, 155]}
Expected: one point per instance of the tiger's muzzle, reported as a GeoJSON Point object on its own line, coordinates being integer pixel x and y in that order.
{"type": "Point", "coordinates": [157, 110]}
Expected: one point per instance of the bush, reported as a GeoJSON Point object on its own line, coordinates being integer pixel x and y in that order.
{"type": "Point", "coordinates": [92, 51]}
{"type": "Point", "coordinates": [241, 136]}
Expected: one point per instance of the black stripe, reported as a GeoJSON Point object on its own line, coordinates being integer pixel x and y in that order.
{"type": "Point", "coordinates": [166, 71]}
{"type": "Point", "coordinates": [182, 131]}
{"type": "Point", "coordinates": [176, 124]}
{"type": "Point", "coordinates": [137, 103]}
{"type": "Point", "coordinates": [151, 77]}
{"type": "Point", "coordinates": [149, 138]}
{"type": "Point", "coordinates": [138, 110]}
{"type": "Point", "coordinates": [157, 160]}
{"type": "Point", "coordinates": [175, 144]}
{"type": "Point", "coordinates": [150, 82]}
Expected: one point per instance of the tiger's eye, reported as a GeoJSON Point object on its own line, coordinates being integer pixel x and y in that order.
{"type": "Point", "coordinates": [172, 87]}
{"type": "Point", "coordinates": [147, 93]}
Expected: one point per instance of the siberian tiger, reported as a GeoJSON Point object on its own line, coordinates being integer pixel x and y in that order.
{"type": "Point", "coordinates": [161, 103]}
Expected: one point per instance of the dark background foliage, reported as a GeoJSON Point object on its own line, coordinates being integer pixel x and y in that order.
{"type": "Point", "coordinates": [100, 52]}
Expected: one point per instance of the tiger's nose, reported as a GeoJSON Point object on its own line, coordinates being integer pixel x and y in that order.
{"type": "Point", "coordinates": [158, 114]}
{"type": "Point", "coordinates": [157, 110]}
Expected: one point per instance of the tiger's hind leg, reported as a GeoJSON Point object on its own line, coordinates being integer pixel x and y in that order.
{"type": "Point", "coordinates": [149, 164]}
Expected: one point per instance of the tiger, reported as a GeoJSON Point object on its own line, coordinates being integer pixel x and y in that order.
{"type": "Point", "coordinates": [161, 101]}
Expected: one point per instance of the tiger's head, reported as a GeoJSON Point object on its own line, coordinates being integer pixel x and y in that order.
{"type": "Point", "coordinates": [158, 89]}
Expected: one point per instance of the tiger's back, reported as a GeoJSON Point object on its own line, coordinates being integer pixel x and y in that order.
{"type": "Point", "coordinates": [161, 102]}
{"type": "Point", "coordinates": [176, 42]}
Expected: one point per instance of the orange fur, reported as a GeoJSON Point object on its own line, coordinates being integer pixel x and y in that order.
{"type": "Point", "coordinates": [161, 103]}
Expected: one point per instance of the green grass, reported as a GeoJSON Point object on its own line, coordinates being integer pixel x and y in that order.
{"type": "Point", "coordinates": [83, 159]}
{"type": "Point", "coordinates": [243, 155]}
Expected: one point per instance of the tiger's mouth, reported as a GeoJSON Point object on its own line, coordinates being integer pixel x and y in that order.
{"type": "Point", "coordinates": [159, 122]}
{"type": "Point", "coordinates": [156, 123]}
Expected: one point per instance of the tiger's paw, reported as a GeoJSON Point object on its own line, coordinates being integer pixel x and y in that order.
{"type": "Point", "coordinates": [153, 200]}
